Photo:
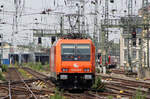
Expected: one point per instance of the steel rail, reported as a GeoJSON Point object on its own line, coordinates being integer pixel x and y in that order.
{"type": "Point", "coordinates": [9, 89]}
{"type": "Point", "coordinates": [20, 82]}
{"type": "Point", "coordinates": [138, 83]}
{"type": "Point", "coordinates": [26, 85]}
{"type": "Point", "coordinates": [37, 74]}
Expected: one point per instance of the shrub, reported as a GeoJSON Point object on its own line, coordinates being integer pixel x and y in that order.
{"type": "Point", "coordinates": [4, 68]}
{"type": "Point", "coordinates": [57, 95]}
{"type": "Point", "coordinates": [97, 70]}
{"type": "Point", "coordinates": [1, 76]}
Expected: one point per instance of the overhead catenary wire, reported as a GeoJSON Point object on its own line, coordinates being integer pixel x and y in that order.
{"type": "Point", "coordinates": [55, 9]}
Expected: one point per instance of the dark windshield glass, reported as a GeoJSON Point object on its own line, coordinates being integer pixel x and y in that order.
{"type": "Point", "coordinates": [83, 49]}
{"type": "Point", "coordinates": [68, 49]}
{"type": "Point", "coordinates": [75, 52]}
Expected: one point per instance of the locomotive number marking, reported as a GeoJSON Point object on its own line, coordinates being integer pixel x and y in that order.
{"type": "Point", "coordinates": [75, 69]}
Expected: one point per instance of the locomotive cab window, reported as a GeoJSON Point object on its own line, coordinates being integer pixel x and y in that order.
{"type": "Point", "coordinates": [83, 52]}
{"type": "Point", "coordinates": [75, 52]}
{"type": "Point", "coordinates": [83, 49]}
{"type": "Point", "coordinates": [68, 49]}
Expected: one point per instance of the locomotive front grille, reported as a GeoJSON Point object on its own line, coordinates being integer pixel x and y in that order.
{"type": "Point", "coordinates": [75, 76]}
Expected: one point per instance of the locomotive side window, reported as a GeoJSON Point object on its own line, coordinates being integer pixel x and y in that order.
{"type": "Point", "coordinates": [75, 52]}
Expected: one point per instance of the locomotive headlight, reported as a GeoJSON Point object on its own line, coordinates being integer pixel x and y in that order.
{"type": "Point", "coordinates": [64, 69]}
{"type": "Point", "coordinates": [63, 76]}
{"type": "Point", "coordinates": [88, 76]}
{"type": "Point", "coordinates": [86, 69]}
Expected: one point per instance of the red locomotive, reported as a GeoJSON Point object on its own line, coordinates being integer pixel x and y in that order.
{"type": "Point", "coordinates": [72, 63]}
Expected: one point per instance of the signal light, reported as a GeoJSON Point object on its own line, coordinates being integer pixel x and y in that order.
{"type": "Point", "coordinates": [39, 40]}
{"type": "Point", "coordinates": [134, 33]}
{"type": "Point", "coordinates": [134, 42]}
{"type": "Point", "coordinates": [109, 59]}
{"type": "Point", "coordinates": [139, 41]}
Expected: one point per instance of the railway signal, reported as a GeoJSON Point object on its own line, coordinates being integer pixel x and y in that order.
{"type": "Point", "coordinates": [134, 42]}
{"type": "Point", "coordinates": [134, 36]}
{"type": "Point", "coordinates": [39, 40]}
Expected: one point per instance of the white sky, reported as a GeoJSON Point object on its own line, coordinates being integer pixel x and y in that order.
{"type": "Point", "coordinates": [36, 6]}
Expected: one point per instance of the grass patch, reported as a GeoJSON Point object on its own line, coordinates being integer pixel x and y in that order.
{"type": "Point", "coordinates": [110, 97]}
{"type": "Point", "coordinates": [139, 95]}
{"type": "Point", "coordinates": [98, 85]}
{"type": "Point", "coordinates": [37, 66]}
{"type": "Point", "coordinates": [25, 74]}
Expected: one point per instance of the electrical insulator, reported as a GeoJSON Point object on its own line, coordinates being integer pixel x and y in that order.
{"type": "Point", "coordinates": [92, 2]}
{"type": "Point", "coordinates": [2, 6]}
{"type": "Point", "coordinates": [48, 10]}
{"type": "Point", "coordinates": [43, 12]}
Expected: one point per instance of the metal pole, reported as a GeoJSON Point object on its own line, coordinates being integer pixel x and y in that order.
{"type": "Point", "coordinates": [144, 4]}
{"type": "Point", "coordinates": [147, 46]}
{"type": "Point", "coordinates": [62, 24]}
{"type": "Point", "coordinates": [129, 30]}
{"type": "Point", "coordinates": [2, 49]}
{"type": "Point", "coordinates": [78, 18]}
{"type": "Point", "coordinates": [106, 30]}
{"type": "Point", "coordinates": [141, 47]}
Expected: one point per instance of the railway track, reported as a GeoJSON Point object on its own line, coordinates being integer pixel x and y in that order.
{"type": "Point", "coordinates": [128, 82]}
{"type": "Point", "coordinates": [47, 80]}
{"type": "Point", "coordinates": [40, 76]}
{"type": "Point", "coordinates": [14, 75]}
{"type": "Point", "coordinates": [12, 87]}
{"type": "Point", "coordinates": [16, 86]}
{"type": "Point", "coordinates": [89, 94]}
{"type": "Point", "coordinates": [128, 87]}
{"type": "Point", "coordinates": [86, 95]}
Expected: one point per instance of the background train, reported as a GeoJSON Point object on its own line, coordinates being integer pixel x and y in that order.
{"type": "Point", "coordinates": [72, 63]}
{"type": "Point", "coordinates": [111, 61]}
